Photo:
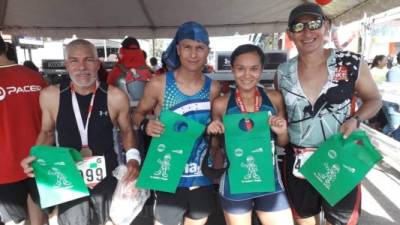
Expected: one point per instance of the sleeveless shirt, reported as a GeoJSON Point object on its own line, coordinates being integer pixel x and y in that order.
{"type": "Point", "coordinates": [310, 125]}
{"type": "Point", "coordinates": [233, 108]}
{"type": "Point", "coordinates": [100, 131]}
{"type": "Point", "coordinates": [198, 108]}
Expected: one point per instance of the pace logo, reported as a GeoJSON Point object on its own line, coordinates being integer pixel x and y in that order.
{"type": "Point", "coordinates": [2, 93]}
{"type": "Point", "coordinates": [12, 90]}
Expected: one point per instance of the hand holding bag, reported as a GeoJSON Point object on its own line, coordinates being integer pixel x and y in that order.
{"type": "Point", "coordinates": [56, 175]}
{"type": "Point", "coordinates": [340, 164]}
{"type": "Point", "coordinates": [168, 154]}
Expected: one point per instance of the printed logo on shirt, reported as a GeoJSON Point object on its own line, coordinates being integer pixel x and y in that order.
{"type": "Point", "coordinates": [341, 74]}
{"type": "Point", "coordinates": [12, 90]}
{"type": "Point", "coordinates": [2, 93]}
{"type": "Point", "coordinates": [103, 113]}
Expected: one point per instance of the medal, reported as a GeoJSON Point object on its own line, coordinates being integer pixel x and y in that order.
{"type": "Point", "coordinates": [92, 168]}
{"type": "Point", "coordinates": [240, 103]}
{"type": "Point", "coordinates": [86, 152]}
{"type": "Point", "coordinates": [83, 128]}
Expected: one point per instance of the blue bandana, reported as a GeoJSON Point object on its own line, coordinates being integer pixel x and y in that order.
{"type": "Point", "coordinates": [189, 30]}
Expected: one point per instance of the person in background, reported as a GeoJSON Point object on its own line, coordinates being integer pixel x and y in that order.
{"type": "Point", "coordinates": [20, 121]}
{"type": "Point", "coordinates": [379, 72]}
{"type": "Point", "coordinates": [31, 65]}
{"type": "Point", "coordinates": [154, 64]}
{"type": "Point", "coordinates": [131, 59]}
{"type": "Point", "coordinates": [102, 73]}
{"type": "Point", "coordinates": [208, 69]}
{"type": "Point", "coordinates": [131, 72]}
{"type": "Point", "coordinates": [145, 55]}
{"type": "Point", "coordinates": [393, 74]}
{"type": "Point", "coordinates": [391, 109]}
{"type": "Point", "coordinates": [12, 52]}
{"type": "Point", "coordinates": [187, 91]}
{"type": "Point", "coordinates": [247, 63]}
{"type": "Point", "coordinates": [379, 69]}
{"type": "Point", "coordinates": [389, 62]}
{"type": "Point", "coordinates": [318, 88]}
{"type": "Point", "coordinates": [164, 67]}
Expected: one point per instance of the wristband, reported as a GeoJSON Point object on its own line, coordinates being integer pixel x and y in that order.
{"type": "Point", "coordinates": [143, 125]}
{"type": "Point", "coordinates": [133, 153]}
{"type": "Point", "coordinates": [358, 119]}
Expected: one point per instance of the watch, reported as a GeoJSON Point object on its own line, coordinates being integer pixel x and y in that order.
{"type": "Point", "coordinates": [358, 119]}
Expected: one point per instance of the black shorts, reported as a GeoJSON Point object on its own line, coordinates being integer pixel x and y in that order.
{"type": "Point", "coordinates": [94, 209]}
{"type": "Point", "coordinates": [169, 209]}
{"type": "Point", "coordinates": [13, 199]}
{"type": "Point", "coordinates": [305, 200]}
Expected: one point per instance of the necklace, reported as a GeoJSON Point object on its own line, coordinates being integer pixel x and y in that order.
{"type": "Point", "coordinates": [242, 106]}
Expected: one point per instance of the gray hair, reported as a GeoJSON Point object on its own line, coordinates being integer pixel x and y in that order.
{"type": "Point", "coordinates": [81, 42]}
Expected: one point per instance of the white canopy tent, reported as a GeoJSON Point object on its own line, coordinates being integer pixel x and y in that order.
{"type": "Point", "coordinates": [159, 18]}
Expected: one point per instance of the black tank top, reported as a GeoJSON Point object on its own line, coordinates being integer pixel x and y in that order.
{"type": "Point", "coordinates": [100, 132]}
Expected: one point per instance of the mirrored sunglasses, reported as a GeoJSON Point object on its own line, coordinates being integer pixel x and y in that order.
{"type": "Point", "coordinates": [311, 25]}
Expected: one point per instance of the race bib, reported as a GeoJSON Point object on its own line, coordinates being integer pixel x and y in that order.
{"type": "Point", "coordinates": [93, 170]}
{"type": "Point", "coordinates": [302, 155]}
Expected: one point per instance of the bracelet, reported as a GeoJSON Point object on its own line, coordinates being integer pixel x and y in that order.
{"type": "Point", "coordinates": [143, 125]}
{"type": "Point", "coordinates": [133, 153]}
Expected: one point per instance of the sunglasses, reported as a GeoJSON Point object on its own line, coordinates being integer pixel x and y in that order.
{"type": "Point", "coordinates": [311, 25]}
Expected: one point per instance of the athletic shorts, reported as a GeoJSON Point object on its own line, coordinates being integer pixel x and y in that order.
{"type": "Point", "coordinates": [13, 199]}
{"type": "Point", "coordinates": [199, 203]}
{"type": "Point", "coordinates": [268, 203]}
{"type": "Point", "coordinates": [305, 201]}
{"type": "Point", "coordinates": [94, 209]}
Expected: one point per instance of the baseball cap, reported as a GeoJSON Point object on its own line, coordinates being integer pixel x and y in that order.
{"type": "Point", "coordinates": [305, 9]}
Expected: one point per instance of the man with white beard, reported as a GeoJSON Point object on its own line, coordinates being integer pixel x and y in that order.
{"type": "Point", "coordinates": [84, 113]}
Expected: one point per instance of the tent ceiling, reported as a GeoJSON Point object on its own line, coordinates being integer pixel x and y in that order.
{"type": "Point", "coordinates": [159, 18]}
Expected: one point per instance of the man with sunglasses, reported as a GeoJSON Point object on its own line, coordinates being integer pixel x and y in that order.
{"type": "Point", "coordinates": [318, 87]}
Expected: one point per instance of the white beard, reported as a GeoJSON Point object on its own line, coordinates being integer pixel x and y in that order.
{"type": "Point", "coordinates": [83, 85]}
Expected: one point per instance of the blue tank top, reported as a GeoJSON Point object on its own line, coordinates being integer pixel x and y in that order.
{"type": "Point", "coordinates": [198, 108]}
{"type": "Point", "coordinates": [233, 108]}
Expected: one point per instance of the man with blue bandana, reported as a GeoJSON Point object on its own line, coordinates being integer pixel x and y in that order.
{"type": "Point", "coordinates": [184, 90]}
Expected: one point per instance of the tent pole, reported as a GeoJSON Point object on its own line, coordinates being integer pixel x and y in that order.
{"type": "Point", "coordinates": [153, 46]}
{"type": "Point", "coordinates": [105, 50]}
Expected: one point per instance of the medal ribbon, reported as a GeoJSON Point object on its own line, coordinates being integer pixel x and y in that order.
{"type": "Point", "coordinates": [83, 130]}
{"type": "Point", "coordinates": [240, 103]}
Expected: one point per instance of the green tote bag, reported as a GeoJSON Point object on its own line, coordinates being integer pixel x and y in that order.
{"type": "Point", "coordinates": [249, 153]}
{"type": "Point", "coordinates": [57, 178]}
{"type": "Point", "coordinates": [340, 164]}
{"type": "Point", "coordinates": [168, 154]}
